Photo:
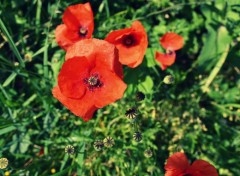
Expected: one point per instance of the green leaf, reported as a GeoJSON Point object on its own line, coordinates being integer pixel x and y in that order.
{"type": "Point", "coordinates": [7, 129]}
{"type": "Point", "coordinates": [146, 86]}
{"type": "Point", "coordinates": [214, 46]}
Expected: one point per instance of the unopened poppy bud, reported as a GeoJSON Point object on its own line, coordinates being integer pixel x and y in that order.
{"type": "Point", "coordinates": [140, 96]}
{"type": "Point", "coordinates": [69, 149]}
{"type": "Point", "coordinates": [131, 113]}
{"type": "Point", "coordinates": [148, 153]}
{"type": "Point", "coordinates": [108, 142]}
{"type": "Point", "coordinates": [169, 79]}
{"type": "Point", "coordinates": [137, 136]}
{"type": "Point", "coordinates": [98, 145]}
{"type": "Point", "coordinates": [3, 163]}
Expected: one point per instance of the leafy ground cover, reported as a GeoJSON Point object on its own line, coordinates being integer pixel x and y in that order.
{"type": "Point", "coordinates": [199, 113]}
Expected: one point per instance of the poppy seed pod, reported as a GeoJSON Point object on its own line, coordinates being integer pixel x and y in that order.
{"type": "Point", "coordinates": [140, 96]}
{"type": "Point", "coordinates": [108, 142]}
{"type": "Point", "coordinates": [131, 113]}
{"type": "Point", "coordinates": [148, 153]}
{"type": "Point", "coordinates": [3, 163]}
{"type": "Point", "coordinates": [98, 145]}
{"type": "Point", "coordinates": [137, 136]}
{"type": "Point", "coordinates": [69, 149]}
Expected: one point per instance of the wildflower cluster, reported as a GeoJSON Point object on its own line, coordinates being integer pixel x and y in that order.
{"type": "Point", "coordinates": [92, 76]}
{"type": "Point", "coordinates": [93, 67]}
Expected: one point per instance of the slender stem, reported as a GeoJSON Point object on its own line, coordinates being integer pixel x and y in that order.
{"type": "Point", "coordinates": [215, 70]}
{"type": "Point", "coordinates": [107, 8]}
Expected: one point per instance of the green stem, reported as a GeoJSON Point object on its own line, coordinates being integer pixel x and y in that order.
{"type": "Point", "coordinates": [107, 8]}
{"type": "Point", "coordinates": [215, 70]}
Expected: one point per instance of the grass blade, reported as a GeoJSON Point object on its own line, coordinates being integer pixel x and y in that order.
{"type": "Point", "coordinates": [9, 79]}
{"type": "Point", "coordinates": [11, 43]}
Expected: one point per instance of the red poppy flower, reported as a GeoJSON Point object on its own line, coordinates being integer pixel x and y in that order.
{"type": "Point", "coordinates": [131, 42]}
{"type": "Point", "coordinates": [178, 165]}
{"type": "Point", "coordinates": [171, 42]}
{"type": "Point", "coordinates": [78, 25]}
{"type": "Point", "coordinates": [100, 49]}
{"type": "Point", "coordinates": [88, 82]}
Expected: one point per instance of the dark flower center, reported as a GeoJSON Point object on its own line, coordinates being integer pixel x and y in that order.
{"type": "Point", "coordinates": [83, 31]}
{"type": "Point", "coordinates": [128, 40]}
{"type": "Point", "coordinates": [93, 82]}
{"type": "Point", "coordinates": [170, 52]}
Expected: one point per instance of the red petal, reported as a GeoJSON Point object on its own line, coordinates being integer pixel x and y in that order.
{"type": "Point", "coordinates": [176, 164]}
{"type": "Point", "coordinates": [94, 49]}
{"type": "Point", "coordinates": [79, 15]}
{"type": "Point", "coordinates": [83, 108]}
{"type": "Point", "coordinates": [202, 168]}
{"type": "Point", "coordinates": [131, 56]}
{"type": "Point", "coordinates": [65, 37]}
{"type": "Point", "coordinates": [113, 87]}
{"type": "Point", "coordinates": [71, 77]}
{"type": "Point", "coordinates": [165, 59]}
{"type": "Point", "coordinates": [172, 41]}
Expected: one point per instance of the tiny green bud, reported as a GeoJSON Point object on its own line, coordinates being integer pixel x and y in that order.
{"type": "Point", "coordinates": [169, 79]}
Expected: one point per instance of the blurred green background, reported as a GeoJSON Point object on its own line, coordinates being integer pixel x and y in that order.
{"type": "Point", "coordinates": [198, 114]}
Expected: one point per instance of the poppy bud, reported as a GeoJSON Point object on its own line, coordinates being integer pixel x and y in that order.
{"type": "Point", "coordinates": [169, 79]}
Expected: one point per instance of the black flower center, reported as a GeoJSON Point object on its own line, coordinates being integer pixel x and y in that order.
{"type": "Point", "coordinates": [93, 82]}
{"type": "Point", "coordinates": [83, 31]}
{"type": "Point", "coordinates": [128, 40]}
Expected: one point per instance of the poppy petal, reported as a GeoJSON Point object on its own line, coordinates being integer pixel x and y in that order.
{"type": "Point", "coordinates": [176, 164]}
{"type": "Point", "coordinates": [80, 107]}
{"type": "Point", "coordinates": [115, 35]}
{"type": "Point", "coordinates": [172, 41]}
{"type": "Point", "coordinates": [94, 49]}
{"type": "Point", "coordinates": [79, 15]}
{"type": "Point", "coordinates": [72, 75]}
{"type": "Point", "coordinates": [130, 54]}
{"type": "Point", "coordinates": [165, 59]}
{"type": "Point", "coordinates": [112, 89]}
{"type": "Point", "coordinates": [202, 168]}
{"type": "Point", "coordinates": [65, 37]}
